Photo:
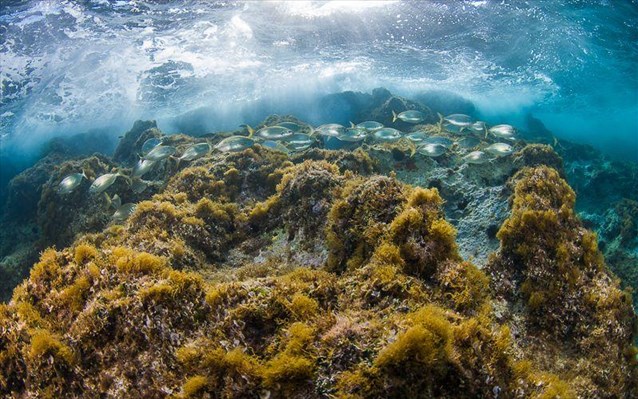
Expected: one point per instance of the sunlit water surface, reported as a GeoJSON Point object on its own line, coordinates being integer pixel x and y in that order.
{"type": "Point", "coordinates": [70, 66]}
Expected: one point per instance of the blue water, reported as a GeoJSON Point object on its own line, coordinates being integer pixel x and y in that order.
{"type": "Point", "coordinates": [72, 66]}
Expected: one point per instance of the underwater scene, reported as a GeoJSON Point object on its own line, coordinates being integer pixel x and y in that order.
{"type": "Point", "coordinates": [318, 199]}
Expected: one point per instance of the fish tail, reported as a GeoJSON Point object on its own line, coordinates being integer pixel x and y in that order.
{"type": "Point", "coordinates": [251, 131]}
{"type": "Point", "coordinates": [394, 116]}
{"type": "Point", "coordinates": [440, 124]}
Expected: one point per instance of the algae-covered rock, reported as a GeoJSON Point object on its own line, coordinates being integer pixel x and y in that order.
{"type": "Point", "coordinates": [130, 145]}
{"type": "Point", "coordinates": [552, 265]}
{"type": "Point", "coordinates": [320, 274]}
{"type": "Point", "coordinates": [25, 188]}
{"type": "Point", "coordinates": [539, 154]}
{"type": "Point", "coordinates": [198, 294]}
{"type": "Point", "coordinates": [62, 216]}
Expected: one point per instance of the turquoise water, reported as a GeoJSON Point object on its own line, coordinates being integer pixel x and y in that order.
{"type": "Point", "coordinates": [480, 252]}
{"type": "Point", "coordinates": [72, 66]}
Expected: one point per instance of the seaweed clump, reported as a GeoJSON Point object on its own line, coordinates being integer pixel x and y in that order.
{"type": "Point", "coordinates": [570, 300]}
{"type": "Point", "coordinates": [539, 154]}
{"type": "Point", "coordinates": [190, 298]}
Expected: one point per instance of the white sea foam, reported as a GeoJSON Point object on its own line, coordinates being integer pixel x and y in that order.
{"type": "Point", "coordinates": [68, 66]}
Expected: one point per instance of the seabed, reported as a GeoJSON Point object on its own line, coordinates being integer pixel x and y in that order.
{"type": "Point", "coordinates": [363, 272]}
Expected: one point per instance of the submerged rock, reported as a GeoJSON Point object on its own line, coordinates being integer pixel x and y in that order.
{"type": "Point", "coordinates": [130, 146]}
{"type": "Point", "coordinates": [559, 289]}
{"type": "Point", "coordinates": [323, 273]}
{"type": "Point", "coordinates": [206, 290]}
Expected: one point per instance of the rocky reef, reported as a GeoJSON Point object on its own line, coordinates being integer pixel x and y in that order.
{"type": "Point", "coordinates": [255, 274]}
{"type": "Point", "coordinates": [367, 273]}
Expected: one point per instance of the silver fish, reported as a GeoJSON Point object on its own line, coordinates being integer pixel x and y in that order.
{"type": "Point", "coordinates": [353, 135]}
{"type": "Point", "coordinates": [70, 183]}
{"type": "Point", "coordinates": [138, 185]}
{"type": "Point", "coordinates": [292, 126]}
{"type": "Point", "coordinates": [500, 149]}
{"type": "Point", "coordinates": [330, 130]}
{"type": "Point", "coordinates": [275, 145]}
{"type": "Point", "coordinates": [274, 132]}
{"type": "Point", "coordinates": [124, 211]}
{"type": "Point", "coordinates": [160, 152]}
{"type": "Point", "coordinates": [142, 167]}
{"type": "Point", "coordinates": [460, 120]}
{"type": "Point", "coordinates": [195, 151]}
{"type": "Point", "coordinates": [235, 144]}
{"type": "Point", "coordinates": [417, 137]}
{"type": "Point", "coordinates": [103, 182]}
{"type": "Point", "coordinates": [444, 141]}
{"type": "Point", "coordinates": [478, 127]}
{"type": "Point", "coordinates": [299, 142]}
{"type": "Point", "coordinates": [369, 125]}
{"type": "Point", "coordinates": [116, 201]}
{"type": "Point", "coordinates": [298, 147]}
{"type": "Point", "coordinates": [503, 131]}
{"type": "Point", "coordinates": [150, 144]}
{"type": "Point", "coordinates": [476, 157]}
{"type": "Point", "coordinates": [468, 142]}
{"type": "Point", "coordinates": [387, 134]}
{"type": "Point", "coordinates": [300, 139]}
{"type": "Point", "coordinates": [411, 116]}
{"type": "Point", "coordinates": [432, 150]}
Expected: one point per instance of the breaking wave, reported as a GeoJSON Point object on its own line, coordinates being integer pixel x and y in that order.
{"type": "Point", "coordinates": [73, 66]}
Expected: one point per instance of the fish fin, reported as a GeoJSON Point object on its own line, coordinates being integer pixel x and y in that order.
{"type": "Point", "coordinates": [84, 174]}
{"type": "Point", "coordinates": [394, 116]}
{"type": "Point", "coordinates": [128, 179]}
{"type": "Point", "coordinates": [352, 125]}
{"type": "Point", "coordinates": [116, 201]}
{"type": "Point", "coordinates": [108, 200]}
{"type": "Point", "coordinates": [440, 124]}
{"type": "Point", "coordinates": [251, 131]}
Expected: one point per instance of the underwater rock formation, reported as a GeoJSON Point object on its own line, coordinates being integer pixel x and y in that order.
{"type": "Point", "coordinates": [570, 301]}
{"type": "Point", "coordinates": [446, 102]}
{"type": "Point", "coordinates": [20, 235]}
{"type": "Point", "coordinates": [378, 106]}
{"type": "Point", "coordinates": [252, 274]}
{"type": "Point", "coordinates": [130, 145]}
{"type": "Point", "coordinates": [375, 272]}
{"type": "Point", "coordinates": [539, 154]}
{"type": "Point", "coordinates": [605, 192]}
